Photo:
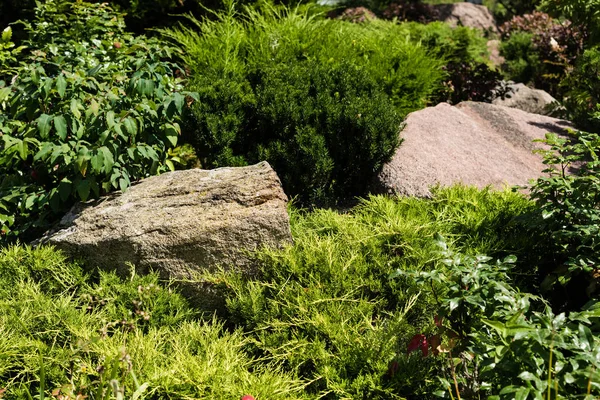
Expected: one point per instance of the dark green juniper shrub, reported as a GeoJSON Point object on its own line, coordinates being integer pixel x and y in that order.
{"type": "Point", "coordinates": [90, 109]}
{"type": "Point", "coordinates": [320, 99]}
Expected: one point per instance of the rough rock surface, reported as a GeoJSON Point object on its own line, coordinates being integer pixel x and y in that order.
{"type": "Point", "coordinates": [527, 99]}
{"type": "Point", "coordinates": [472, 143]}
{"type": "Point", "coordinates": [180, 222]}
{"type": "Point", "coordinates": [466, 14]}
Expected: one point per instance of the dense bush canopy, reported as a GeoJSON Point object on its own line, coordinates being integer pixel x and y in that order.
{"type": "Point", "coordinates": [299, 91]}
{"type": "Point", "coordinates": [89, 110]}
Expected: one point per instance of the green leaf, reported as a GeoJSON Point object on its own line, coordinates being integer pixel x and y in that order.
{"type": "Point", "coordinates": [4, 93]}
{"type": "Point", "coordinates": [44, 126]}
{"type": "Point", "coordinates": [6, 34]}
{"type": "Point", "coordinates": [61, 85]}
{"type": "Point", "coordinates": [83, 189]}
{"type": "Point", "coordinates": [171, 134]}
{"type": "Point", "coordinates": [145, 87]}
{"type": "Point", "coordinates": [130, 126]}
{"type": "Point", "coordinates": [170, 164]}
{"type": "Point", "coordinates": [123, 184]}
{"type": "Point", "coordinates": [110, 118]}
{"type": "Point", "coordinates": [109, 160]}
{"type": "Point", "coordinates": [64, 189]}
{"type": "Point", "coordinates": [75, 104]}
{"type": "Point", "coordinates": [60, 123]}
{"type": "Point", "coordinates": [30, 201]}
{"type": "Point", "coordinates": [97, 162]}
{"type": "Point", "coordinates": [453, 304]}
{"type": "Point", "coordinates": [179, 100]}
{"type": "Point", "coordinates": [44, 151]}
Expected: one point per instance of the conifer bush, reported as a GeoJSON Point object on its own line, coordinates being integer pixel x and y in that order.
{"type": "Point", "coordinates": [322, 100]}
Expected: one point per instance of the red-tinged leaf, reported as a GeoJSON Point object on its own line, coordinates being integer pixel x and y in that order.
{"type": "Point", "coordinates": [247, 397]}
{"type": "Point", "coordinates": [438, 321]}
{"type": "Point", "coordinates": [435, 342]}
{"type": "Point", "coordinates": [419, 341]}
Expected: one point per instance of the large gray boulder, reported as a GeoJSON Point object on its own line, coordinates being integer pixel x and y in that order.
{"type": "Point", "coordinates": [527, 99]}
{"type": "Point", "coordinates": [472, 143]}
{"type": "Point", "coordinates": [180, 223]}
{"type": "Point", "coordinates": [466, 14]}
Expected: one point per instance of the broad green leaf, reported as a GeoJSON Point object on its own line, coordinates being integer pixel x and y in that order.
{"type": "Point", "coordinates": [117, 128]}
{"type": "Point", "coordinates": [453, 304]}
{"type": "Point", "coordinates": [94, 107]}
{"type": "Point", "coordinates": [97, 162]}
{"type": "Point", "coordinates": [145, 87]}
{"type": "Point", "coordinates": [75, 104]}
{"type": "Point", "coordinates": [109, 160]}
{"type": "Point", "coordinates": [110, 118]}
{"type": "Point", "coordinates": [4, 93]}
{"type": "Point", "coordinates": [46, 149]}
{"type": "Point", "coordinates": [22, 149]}
{"type": "Point", "coordinates": [179, 100]}
{"type": "Point", "coordinates": [44, 126]}
{"type": "Point", "coordinates": [61, 85]}
{"type": "Point", "coordinates": [522, 393]}
{"type": "Point", "coordinates": [171, 134]}
{"type": "Point", "coordinates": [64, 189]}
{"type": "Point", "coordinates": [60, 123]}
{"type": "Point", "coordinates": [123, 183]}
{"type": "Point", "coordinates": [169, 164]}
{"type": "Point", "coordinates": [83, 189]}
{"type": "Point", "coordinates": [130, 126]}
{"type": "Point", "coordinates": [6, 34]}
{"type": "Point", "coordinates": [499, 326]}
{"type": "Point", "coordinates": [30, 201]}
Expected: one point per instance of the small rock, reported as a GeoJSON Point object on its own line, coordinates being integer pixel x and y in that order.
{"type": "Point", "coordinates": [466, 14]}
{"type": "Point", "coordinates": [524, 98]}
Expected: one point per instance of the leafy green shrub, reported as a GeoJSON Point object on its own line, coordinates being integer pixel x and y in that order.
{"type": "Point", "coordinates": [8, 56]}
{"type": "Point", "coordinates": [500, 343]}
{"type": "Point", "coordinates": [90, 110]}
{"type": "Point", "coordinates": [567, 221]}
{"type": "Point", "coordinates": [582, 91]}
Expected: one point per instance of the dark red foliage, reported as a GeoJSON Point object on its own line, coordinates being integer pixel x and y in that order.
{"type": "Point", "coordinates": [411, 11]}
{"type": "Point", "coordinates": [418, 342]}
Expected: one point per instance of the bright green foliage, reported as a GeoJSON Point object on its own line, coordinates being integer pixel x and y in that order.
{"type": "Point", "coordinates": [502, 343]}
{"type": "Point", "coordinates": [522, 60]}
{"type": "Point", "coordinates": [326, 308]}
{"type": "Point", "coordinates": [8, 55]}
{"type": "Point", "coordinates": [91, 110]}
{"type": "Point", "coordinates": [569, 214]}
{"type": "Point", "coordinates": [63, 334]}
{"type": "Point", "coordinates": [302, 91]}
